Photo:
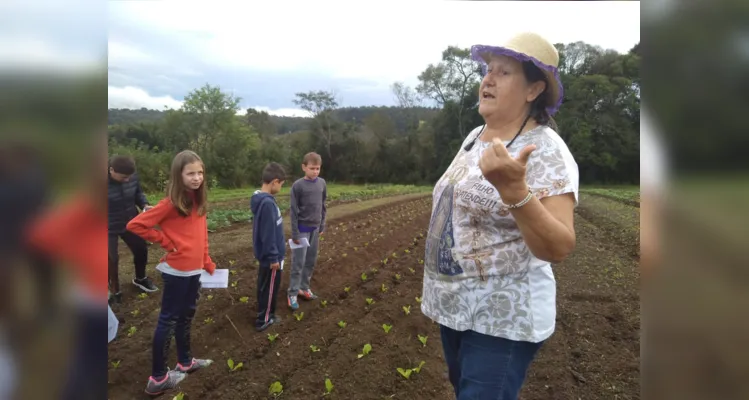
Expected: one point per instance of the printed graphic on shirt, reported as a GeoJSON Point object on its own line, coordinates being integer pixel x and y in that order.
{"type": "Point", "coordinates": [440, 241]}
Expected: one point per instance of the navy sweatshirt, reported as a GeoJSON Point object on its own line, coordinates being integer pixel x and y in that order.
{"type": "Point", "coordinates": [267, 229]}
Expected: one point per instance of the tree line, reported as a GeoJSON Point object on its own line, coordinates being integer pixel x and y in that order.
{"type": "Point", "coordinates": [409, 143]}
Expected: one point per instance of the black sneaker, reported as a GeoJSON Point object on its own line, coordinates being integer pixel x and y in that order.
{"type": "Point", "coordinates": [115, 298]}
{"type": "Point", "coordinates": [145, 284]}
{"type": "Point", "coordinates": [272, 320]}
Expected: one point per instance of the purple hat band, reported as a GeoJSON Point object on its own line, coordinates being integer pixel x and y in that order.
{"type": "Point", "coordinates": [478, 50]}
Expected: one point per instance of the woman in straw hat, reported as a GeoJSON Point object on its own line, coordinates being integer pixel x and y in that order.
{"type": "Point", "coordinates": [502, 213]}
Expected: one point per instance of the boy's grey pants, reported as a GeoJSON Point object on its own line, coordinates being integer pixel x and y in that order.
{"type": "Point", "coordinates": [303, 263]}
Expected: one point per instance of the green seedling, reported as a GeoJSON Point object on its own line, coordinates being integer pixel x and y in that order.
{"type": "Point", "coordinates": [369, 300]}
{"type": "Point", "coordinates": [375, 270]}
{"type": "Point", "coordinates": [406, 251]}
{"type": "Point", "coordinates": [275, 389]}
{"type": "Point", "coordinates": [179, 396]}
{"type": "Point", "coordinates": [328, 386]}
{"type": "Point", "coordinates": [314, 348]}
{"type": "Point", "coordinates": [418, 299]}
{"type": "Point", "coordinates": [299, 316]}
{"type": "Point", "coordinates": [342, 324]}
{"type": "Point", "coordinates": [209, 297]}
{"type": "Point", "coordinates": [407, 310]}
{"type": "Point", "coordinates": [143, 296]}
{"type": "Point", "coordinates": [234, 284]}
{"type": "Point", "coordinates": [418, 369]}
{"type": "Point", "coordinates": [244, 299]}
{"type": "Point", "coordinates": [387, 328]}
{"type": "Point", "coordinates": [346, 289]}
{"type": "Point", "coordinates": [131, 331]}
{"type": "Point", "coordinates": [394, 255]}
{"type": "Point", "coordinates": [135, 312]}
{"type": "Point", "coordinates": [423, 340]}
{"type": "Point", "coordinates": [397, 277]}
{"type": "Point", "coordinates": [421, 235]}
{"type": "Point", "coordinates": [208, 320]}
{"type": "Point", "coordinates": [272, 337]}
{"type": "Point", "coordinates": [231, 262]}
{"type": "Point", "coordinates": [324, 303]}
{"type": "Point", "coordinates": [232, 366]}
{"type": "Point", "coordinates": [365, 350]}
{"type": "Point", "coordinates": [363, 277]}
{"type": "Point", "coordinates": [385, 261]}
{"type": "Point", "coordinates": [421, 261]}
{"type": "Point", "coordinates": [406, 373]}
{"type": "Point", "coordinates": [413, 271]}
{"type": "Point", "coordinates": [233, 272]}
{"type": "Point", "coordinates": [116, 364]}
{"type": "Point", "coordinates": [383, 288]}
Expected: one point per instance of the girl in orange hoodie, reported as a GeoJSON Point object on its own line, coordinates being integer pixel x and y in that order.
{"type": "Point", "coordinates": [184, 235]}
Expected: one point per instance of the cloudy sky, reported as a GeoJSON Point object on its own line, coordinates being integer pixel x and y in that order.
{"type": "Point", "coordinates": [265, 52]}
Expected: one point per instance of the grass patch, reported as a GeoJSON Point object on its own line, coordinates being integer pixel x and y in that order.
{"type": "Point", "coordinates": [219, 217]}
{"type": "Point", "coordinates": [335, 192]}
{"type": "Point", "coordinates": [624, 193]}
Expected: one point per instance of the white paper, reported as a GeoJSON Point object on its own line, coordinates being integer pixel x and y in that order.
{"type": "Point", "coordinates": [303, 242]}
{"type": "Point", "coordinates": [219, 279]}
{"type": "Point", "coordinates": [282, 265]}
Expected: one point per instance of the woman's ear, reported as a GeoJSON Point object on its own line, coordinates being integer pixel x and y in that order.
{"type": "Point", "coordinates": [534, 90]}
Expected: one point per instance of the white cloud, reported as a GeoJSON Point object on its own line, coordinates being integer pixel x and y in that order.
{"type": "Point", "coordinates": [168, 42]}
{"type": "Point", "coordinates": [133, 97]}
{"type": "Point", "coordinates": [36, 53]}
{"type": "Point", "coordinates": [282, 112]}
{"type": "Point", "coordinates": [349, 40]}
{"type": "Point", "coordinates": [136, 98]}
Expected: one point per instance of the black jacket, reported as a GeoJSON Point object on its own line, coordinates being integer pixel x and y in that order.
{"type": "Point", "coordinates": [123, 197]}
{"type": "Point", "coordinates": [268, 241]}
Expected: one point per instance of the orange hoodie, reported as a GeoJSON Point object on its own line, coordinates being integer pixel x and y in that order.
{"type": "Point", "coordinates": [185, 238]}
{"type": "Point", "coordinates": [75, 234]}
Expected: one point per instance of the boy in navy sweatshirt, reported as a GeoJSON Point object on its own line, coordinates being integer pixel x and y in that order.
{"type": "Point", "coordinates": [268, 243]}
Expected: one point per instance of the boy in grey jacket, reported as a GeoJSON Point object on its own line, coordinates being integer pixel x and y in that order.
{"type": "Point", "coordinates": [308, 197]}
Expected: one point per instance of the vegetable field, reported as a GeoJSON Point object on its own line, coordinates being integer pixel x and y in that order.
{"type": "Point", "coordinates": [365, 338]}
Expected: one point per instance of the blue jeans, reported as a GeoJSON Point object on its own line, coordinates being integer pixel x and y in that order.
{"type": "Point", "coordinates": [179, 301]}
{"type": "Point", "coordinates": [483, 367]}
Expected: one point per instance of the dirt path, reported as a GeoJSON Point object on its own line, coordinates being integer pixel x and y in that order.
{"type": "Point", "coordinates": [594, 352]}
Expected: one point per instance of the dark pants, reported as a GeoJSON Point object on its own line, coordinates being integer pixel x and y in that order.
{"type": "Point", "coordinates": [137, 246]}
{"type": "Point", "coordinates": [486, 367]}
{"type": "Point", "coordinates": [179, 301]}
{"type": "Point", "coordinates": [44, 271]}
{"type": "Point", "coordinates": [268, 282]}
{"type": "Point", "coordinates": [86, 376]}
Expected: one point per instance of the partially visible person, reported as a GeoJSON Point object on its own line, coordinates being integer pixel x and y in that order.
{"type": "Point", "coordinates": [184, 235]}
{"type": "Point", "coordinates": [308, 197]}
{"type": "Point", "coordinates": [502, 215]}
{"type": "Point", "coordinates": [653, 191]}
{"type": "Point", "coordinates": [269, 244]}
{"type": "Point", "coordinates": [24, 193]}
{"type": "Point", "coordinates": [72, 235]}
{"type": "Point", "coordinates": [125, 194]}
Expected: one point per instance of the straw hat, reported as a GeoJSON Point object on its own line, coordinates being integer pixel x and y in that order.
{"type": "Point", "coordinates": [528, 47]}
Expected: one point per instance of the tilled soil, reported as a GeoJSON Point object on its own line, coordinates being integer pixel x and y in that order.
{"type": "Point", "coordinates": [594, 353]}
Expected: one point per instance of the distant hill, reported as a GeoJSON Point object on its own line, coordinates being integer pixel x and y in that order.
{"type": "Point", "coordinates": [401, 117]}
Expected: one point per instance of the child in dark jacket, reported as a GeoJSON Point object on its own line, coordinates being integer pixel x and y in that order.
{"type": "Point", "coordinates": [268, 243]}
